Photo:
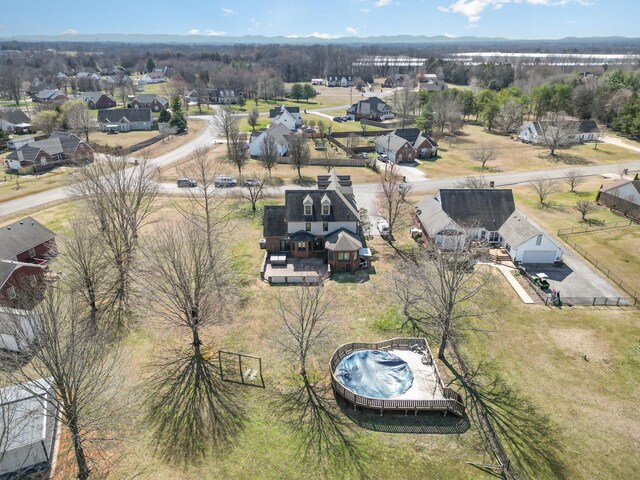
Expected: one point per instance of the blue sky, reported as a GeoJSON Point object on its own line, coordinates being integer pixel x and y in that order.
{"type": "Point", "coordinates": [328, 18]}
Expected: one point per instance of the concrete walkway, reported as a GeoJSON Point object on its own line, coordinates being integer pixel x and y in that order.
{"type": "Point", "coordinates": [506, 271]}
{"type": "Point", "coordinates": [620, 143]}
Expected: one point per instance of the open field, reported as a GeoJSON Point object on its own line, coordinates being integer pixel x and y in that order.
{"type": "Point", "coordinates": [16, 186]}
{"type": "Point", "coordinates": [455, 157]}
{"type": "Point", "coordinates": [617, 250]}
{"type": "Point", "coordinates": [123, 139]}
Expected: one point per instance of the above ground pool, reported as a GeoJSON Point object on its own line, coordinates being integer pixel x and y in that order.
{"type": "Point", "coordinates": [374, 374]}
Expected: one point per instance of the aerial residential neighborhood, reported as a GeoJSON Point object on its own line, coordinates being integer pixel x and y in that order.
{"type": "Point", "coordinates": [341, 240]}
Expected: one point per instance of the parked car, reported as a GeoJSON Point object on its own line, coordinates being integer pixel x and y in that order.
{"type": "Point", "coordinates": [262, 243]}
{"type": "Point", "coordinates": [383, 228]}
{"type": "Point", "coordinates": [383, 158]}
{"type": "Point", "coordinates": [346, 118]}
{"type": "Point", "coordinates": [251, 182]}
{"type": "Point", "coordinates": [186, 183]}
{"type": "Point", "coordinates": [540, 279]}
{"type": "Point", "coordinates": [337, 119]}
{"type": "Point", "coordinates": [224, 181]}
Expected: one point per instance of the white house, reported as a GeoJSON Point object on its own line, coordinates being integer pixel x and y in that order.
{"type": "Point", "coordinates": [125, 119]}
{"type": "Point", "coordinates": [583, 131]}
{"type": "Point", "coordinates": [278, 132]}
{"type": "Point", "coordinates": [339, 80]}
{"type": "Point", "coordinates": [453, 216]}
{"type": "Point", "coordinates": [152, 77]}
{"type": "Point", "coordinates": [288, 116]}
{"type": "Point", "coordinates": [13, 119]}
{"type": "Point", "coordinates": [622, 195]}
{"type": "Point", "coordinates": [28, 426]}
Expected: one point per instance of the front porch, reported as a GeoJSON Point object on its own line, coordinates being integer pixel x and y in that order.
{"type": "Point", "coordinates": [282, 268]}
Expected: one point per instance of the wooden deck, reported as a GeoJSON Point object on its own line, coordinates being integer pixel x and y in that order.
{"type": "Point", "coordinates": [296, 270]}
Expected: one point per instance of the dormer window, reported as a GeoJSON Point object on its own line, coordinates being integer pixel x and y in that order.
{"type": "Point", "coordinates": [326, 205]}
{"type": "Point", "coordinates": [307, 209]}
{"type": "Point", "coordinates": [308, 205]}
{"type": "Point", "coordinates": [325, 209]}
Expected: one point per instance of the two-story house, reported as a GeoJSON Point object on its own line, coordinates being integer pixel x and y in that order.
{"type": "Point", "coordinates": [287, 116]}
{"type": "Point", "coordinates": [320, 223]}
{"type": "Point", "coordinates": [339, 80]}
{"type": "Point", "coordinates": [372, 109]}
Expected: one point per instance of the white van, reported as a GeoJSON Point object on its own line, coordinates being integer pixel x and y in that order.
{"type": "Point", "coordinates": [224, 181]}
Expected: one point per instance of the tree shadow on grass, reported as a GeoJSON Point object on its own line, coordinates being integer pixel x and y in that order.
{"type": "Point", "coordinates": [324, 436]}
{"type": "Point", "coordinates": [359, 276]}
{"type": "Point", "coordinates": [527, 434]}
{"type": "Point", "coordinates": [304, 181]}
{"type": "Point", "coordinates": [424, 423]}
{"type": "Point", "coordinates": [566, 158]}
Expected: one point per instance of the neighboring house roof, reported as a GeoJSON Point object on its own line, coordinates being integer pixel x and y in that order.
{"type": "Point", "coordinates": [619, 183]}
{"type": "Point", "coordinates": [517, 230]}
{"type": "Point", "coordinates": [588, 126]}
{"type": "Point", "coordinates": [7, 267]}
{"type": "Point", "coordinates": [116, 115]}
{"type": "Point", "coordinates": [279, 133]}
{"type": "Point", "coordinates": [584, 126]}
{"type": "Point", "coordinates": [375, 105]}
{"type": "Point", "coordinates": [147, 98]}
{"type": "Point", "coordinates": [433, 218]}
{"type": "Point", "coordinates": [22, 235]}
{"type": "Point", "coordinates": [94, 96]}
{"type": "Point", "coordinates": [275, 112]}
{"type": "Point", "coordinates": [57, 143]}
{"type": "Point", "coordinates": [274, 224]}
{"type": "Point", "coordinates": [342, 241]}
{"type": "Point", "coordinates": [487, 207]}
{"type": "Point", "coordinates": [155, 75]}
{"type": "Point", "coordinates": [391, 142]}
{"type": "Point", "coordinates": [48, 94]}
{"type": "Point", "coordinates": [14, 116]}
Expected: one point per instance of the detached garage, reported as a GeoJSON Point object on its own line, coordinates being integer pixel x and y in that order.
{"type": "Point", "coordinates": [525, 243]}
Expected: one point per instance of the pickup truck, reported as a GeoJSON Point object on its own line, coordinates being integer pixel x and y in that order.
{"type": "Point", "coordinates": [383, 228]}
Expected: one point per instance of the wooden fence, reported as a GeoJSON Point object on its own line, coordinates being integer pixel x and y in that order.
{"type": "Point", "coordinates": [452, 402]}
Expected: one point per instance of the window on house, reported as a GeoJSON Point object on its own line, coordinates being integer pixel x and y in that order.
{"type": "Point", "coordinates": [325, 210]}
{"type": "Point", "coordinates": [11, 292]}
{"type": "Point", "coordinates": [33, 281]}
{"type": "Point", "coordinates": [507, 247]}
{"type": "Point", "coordinates": [539, 240]}
{"type": "Point", "coordinates": [318, 245]}
{"type": "Point", "coordinates": [307, 209]}
{"type": "Point", "coordinates": [301, 245]}
{"type": "Point", "coordinates": [307, 226]}
{"type": "Point", "coordinates": [494, 237]}
{"type": "Point", "coordinates": [43, 161]}
{"type": "Point", "coordinates": [344, 256]}
{"type": "Point", "coordinates": [325, 226]}
{"type": "Point", "coordinates": [32, 253]}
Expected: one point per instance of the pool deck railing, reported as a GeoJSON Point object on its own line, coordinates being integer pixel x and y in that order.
{"type": "Point", "coordinates": [452, 400]}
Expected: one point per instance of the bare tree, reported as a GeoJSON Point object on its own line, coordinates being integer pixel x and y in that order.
{"type": "Point", "coordinates": [574, 178]}
{"type": "Point", "coordinates": [510, 116]}
{"type": "Point", "coordinates": [405, 102]}
{"type": "Point", "coordinates": [238, 150]}
{"type": "Point", "coordinates": [436, 288]}
{"type": "Point", "coordinates": [78, 118]}
{"type": "Point", "coordinates": [473, 182]}
{"type": "Point", "coordinates": [446, 108]}
{"type": "Point", "coordinates": [299, 152]}
{"type": "Point", "coordinates": [330, 156]}
{"type": "Point", "coordinates": [67, 355]}
{"type": "Point", "coordinates": [190, 409]}
{"type": "Point", "coordinates": [268, 156]}
{"type": "Point", "coordinates": [224, 122]}
{"type": "Point", "coordinates": [585, 207]}
{"type": "Point", "coordinates": [89, 273]}
{"type": "Point", "coordinates": [206, 206]}
{"type": "Point", "coordinates": [253, 192]}
{"type": "Point", "coordinates": [484, 154]}
{"type": "Point", "coordinates": [556, 132]}
{"type": "Point", "coordinates": [543, 187]}
{"type": "Point", "coordinates": [125, 89]}
{"type": "Point", "coordinates": [11, 77]}
{"type": "Point", "coordinates": [119, 200]}
{"type": "Point", "coordinates": [253, 118]}
{"type": "Point", "coordinates": [391, 197]}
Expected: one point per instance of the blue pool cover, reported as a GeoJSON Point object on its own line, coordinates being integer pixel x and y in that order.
{"type": "Point", "coordinates": [374, 374]}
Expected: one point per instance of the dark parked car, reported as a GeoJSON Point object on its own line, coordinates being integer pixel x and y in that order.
{"type": "Point", "coordinates": [337, 119]}
{"type": "Point", "coordinates": [186, 183]}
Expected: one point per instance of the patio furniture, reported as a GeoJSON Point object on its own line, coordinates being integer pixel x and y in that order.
{"type": "Point", "coordinates": [278, 260]}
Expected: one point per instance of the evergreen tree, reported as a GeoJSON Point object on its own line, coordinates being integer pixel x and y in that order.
{"type": "Point", "coordinates": [164, 117]}
{"type": "Point", "coordinates": [178, 116]}
{"type": "Point", "coordinates": [150, 65]}
{"type": "Point", "coordinates": [297, 91]}
{"type": "Point", "coordinates": [308, 92]}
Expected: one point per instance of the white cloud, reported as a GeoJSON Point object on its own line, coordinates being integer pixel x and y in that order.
{"type": "Point", "coordinates": [214, 33]}
{"type": "Point", "coordinates": [70, 31]}
{"type": "Point", "coordinates": [324, 36]}
{"type": "Point", "coordinates": [383, 3]}
{"type": "Point", "coordinates": [448, 35]}
{"type": "Point", "coordinates": [194, 31]}
{"type": "Point", "coordinates": [473, 8]}
{"type": "Point", "coordinates": [227, 12]}
{"type": "Point", "coordinates": [351, 31]}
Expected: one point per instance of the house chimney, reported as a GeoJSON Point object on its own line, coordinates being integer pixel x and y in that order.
{"type": "Point", "coordinates": [8, 228]}
{"type": "Point", "coordinates": [21, 223]}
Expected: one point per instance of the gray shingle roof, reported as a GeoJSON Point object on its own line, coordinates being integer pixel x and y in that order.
{"type": "Point", "coordinates": [14, 115]}
{"type": "Point", "coordinates": [273, 221]}
{"type": "Point", "coordinates": [274, 112]}
{"type": "Point", "coordinates": [618, 183]}
{"type": "Point", "coordinates": [147, 98]}
{"type": "Point", "coordinates": [433, 218]}
{"type": "Point", "coordinates": [340, 210]}
{"type": "Point", "coordinates": [393, 142]}
{"type": "Point", "coordinates": [132, 114]}
{"type": "Point", "coordinates": [489, 208]}
{"type": "Point", "coordinates": [342, 241]}
{"type": "Point", "coordinates": [517, 229]}
{"type": "Point", "coordinates": [22, 235]}
{"type": "Point", "coordinates": [54, 145]}
{"type": "Point", "coordinates": [279, 133]}
{"type": "Point", "coordinates": [375, 105]}
{"type": "Point", "coordinates": [94, 96]}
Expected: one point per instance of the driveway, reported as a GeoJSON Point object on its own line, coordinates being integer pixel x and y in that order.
{"type": "Point", "coordinates": [575, 279]}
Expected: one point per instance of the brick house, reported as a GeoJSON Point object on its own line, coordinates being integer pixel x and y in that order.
{"type": "Point", "coordinates": [97, 100]}
{"type": "Point", "coordinates": [372, 109]}
{"type": "Point", "coordinates": [25, 247]}
{"type": "Point", "coordinates": [46, 154]}
{"type": "Point", "coordinates": [321, 223]}
{"type": "Point", "coordinates": [156, 103]}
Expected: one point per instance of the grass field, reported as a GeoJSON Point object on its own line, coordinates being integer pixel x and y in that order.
{"type": "Point", "coordinates": [572, 418]}
{"type": "Point", "coordinates": [455, 157]}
